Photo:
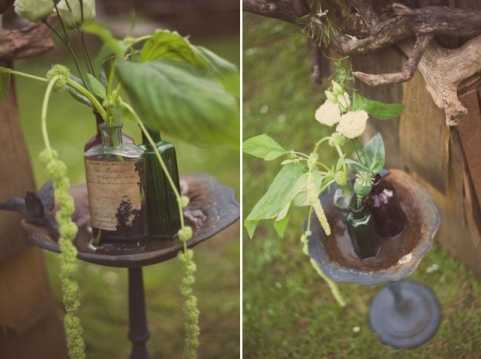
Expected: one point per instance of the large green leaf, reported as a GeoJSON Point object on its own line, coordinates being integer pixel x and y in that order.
{"type": "Point", "coordinates": [180, 102]}
{"type": "Point", "coordinates": [118, 47]}
{"type": "Point", "coordinates": [170, 45]}
{"type": "Point", "coordinates": [377, 109]}
{"type": "Point", "coordinates": [264, 147]}
{"type": "Point", "coordinates": [277, 198]}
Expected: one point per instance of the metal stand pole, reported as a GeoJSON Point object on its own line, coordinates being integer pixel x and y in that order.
{"type": "Point", "coordinates": [138, 331]}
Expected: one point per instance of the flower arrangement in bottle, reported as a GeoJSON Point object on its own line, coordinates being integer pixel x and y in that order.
{"type": "Point", "coordinates": [370, 206]}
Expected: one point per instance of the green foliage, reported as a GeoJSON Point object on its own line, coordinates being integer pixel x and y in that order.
{"type": "Point", "coordinates": [377, 109]}
{"type": "Point", "coordinates": [263, 147]}
{"type": "Point", "coordinates": [181, 103]}
{"type": "Point", "coordinates": [370, 158]}
{"type": "Point", "coordinates": [97, 87]}
{"type": "Point", "coordinates": [343, 72]}
{"type": "Point", "coordinates": [277, 199]}
{"type": "Point", "coordinates": [116, 46]}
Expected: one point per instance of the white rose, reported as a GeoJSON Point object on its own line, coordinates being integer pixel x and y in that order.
{"type": "Point", "coordinates": [328, 113]}
{"type": "Point", "coordinates": [352, 124]}
{"type": "Point", "coordinates": [71, 13]}
{"type": "Point", "coordinates": [33, 10]}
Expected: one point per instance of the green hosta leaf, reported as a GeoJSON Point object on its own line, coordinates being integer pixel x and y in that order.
{"type": "Point", "coordinates": [96, 86]}
{"type": "Point", "coordinates": [264, 147]}
{"type": "Point", "coordinates": [181, 103]}
{"type": "Point", "coordinates": [377, 109]}
{"type": "Point", "coordinates": [278, 196]}
{"type": "Point", "coordinates": [118, 47]}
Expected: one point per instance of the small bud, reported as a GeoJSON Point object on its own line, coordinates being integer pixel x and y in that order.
{"type": "Point", "coordinates": [363, 184]}
{"type": "Point", "coordinates": [63, 74]}
{"type": "Point", "coordinates": [34, 10]}
{"type": "Point", "coordinates": [185, 233]}
{"type": "Point", "coordinates": [337, 89]}
{"type": "Point", "coordinates": [341, 178]}
{"type": "Point", "coordinates": [344, 100]}
{"type": "Point", "coordinates": [337, 139]}
{"type": "Point", "coordinates": [184, 200]}
{"type": "Point", "coordinates": [71, 12]}
{"type": "Point", "coordinates": [330, 96]}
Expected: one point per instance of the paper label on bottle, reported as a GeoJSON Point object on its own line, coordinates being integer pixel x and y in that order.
{"type": "Point", "coordinates": [114, 193]}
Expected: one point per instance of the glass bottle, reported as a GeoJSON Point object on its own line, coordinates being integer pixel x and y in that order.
{"type": "Point", "coordinates": [97, 139]}
{"type": "Point", "coordinates": [384, 205]}
{"type": "Point", "coordinates": [365, 240]}
{"type": "Point", "coordinates": [114, 171]}
{"type": "Point", "coordinates": [162, 213]}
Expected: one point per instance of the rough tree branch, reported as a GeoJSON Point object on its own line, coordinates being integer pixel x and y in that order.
{"type": "Point", "coordinates": [408, 70]}
{"type": "Point", "coordinates": [20, 43]}
{"type": "Point", "coordinates": [443, 70]}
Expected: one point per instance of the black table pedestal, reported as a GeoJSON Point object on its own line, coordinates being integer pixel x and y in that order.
{"type": "Point", "coordinates": [138, 330]}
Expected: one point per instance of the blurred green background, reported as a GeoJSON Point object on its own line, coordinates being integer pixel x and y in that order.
{"type": "Point", "coordinates": [104, 309]}
{"type": "Point", "coordinates": [289, 311]}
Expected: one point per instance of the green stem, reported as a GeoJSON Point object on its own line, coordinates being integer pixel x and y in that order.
{"type": "Point", "coordinates": [161, 161]}
{"type": "Point", "coordinates": [22, 74]}
{"type": "Point", "coordinates": [68, 44]}
{"type": "Point", "coordinates": [46, 100]}
{"type": "Point", "coordinates": [93, 100]}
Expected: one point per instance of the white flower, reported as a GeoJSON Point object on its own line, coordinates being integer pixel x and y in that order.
{"type": "Point", "coordinates": [71, 14]}
{"type": "Point", "coordinates": [344, 100]}
{"type": "Point", "coordinates": [328, 113]}
{"type": "Point", "coordinates": [352, 124]}
{"type": "Point", "coordinates": [33, 10]}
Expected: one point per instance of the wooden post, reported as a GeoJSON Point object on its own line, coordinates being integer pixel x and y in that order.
{"type": "Point", "coordinates": [30, 324]}
{"type": "Point", "coordinates": [446, 160]}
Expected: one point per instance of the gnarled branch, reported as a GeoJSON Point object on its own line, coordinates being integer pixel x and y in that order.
{"type": "Point", "coordinates": [408, 70]}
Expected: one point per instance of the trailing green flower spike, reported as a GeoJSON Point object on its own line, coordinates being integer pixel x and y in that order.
{"type": "Point", "coordinates": [186, 256]}
{"type": "Point", "coordinates": [57, 171]}
{"type": "Point", "coordinates": [191, 310]}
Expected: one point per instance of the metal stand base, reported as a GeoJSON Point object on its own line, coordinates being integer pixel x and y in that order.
{"type": "Point", "coordinates": [405, 315]}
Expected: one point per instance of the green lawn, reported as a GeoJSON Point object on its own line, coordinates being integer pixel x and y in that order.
{"type": "Point", "coordinates": [104, 290]}
{"type": "Point", "coordinates": [288, 310]}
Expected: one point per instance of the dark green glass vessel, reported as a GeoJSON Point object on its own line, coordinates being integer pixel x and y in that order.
{"type": "Point", "coordinates": [162, 213]}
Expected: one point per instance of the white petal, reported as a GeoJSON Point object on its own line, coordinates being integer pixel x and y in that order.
{"type": "Point", "coordinates": [328, 113]}
{"type": "Point", "coordinates": [353, 124]}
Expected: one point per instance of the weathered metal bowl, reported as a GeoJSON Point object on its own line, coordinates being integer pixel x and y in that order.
{"type": "Point", "coordinates": [399, 256]}
{"type": "Point", "coordinates": [214, 203]}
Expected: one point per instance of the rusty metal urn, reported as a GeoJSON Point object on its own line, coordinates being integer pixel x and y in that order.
{"type": "Point", "coordinates": [405, 314]}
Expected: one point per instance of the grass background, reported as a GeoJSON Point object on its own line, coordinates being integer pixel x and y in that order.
{"type": "Point", "coordinates": [288, 310]}
{"type": "Point", "coordinates": [104, 309]}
